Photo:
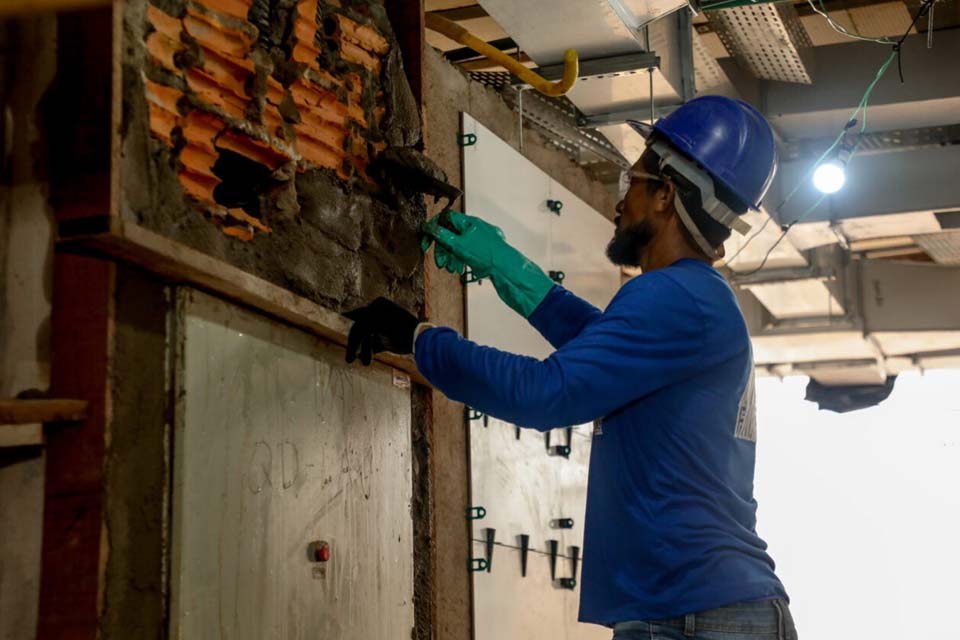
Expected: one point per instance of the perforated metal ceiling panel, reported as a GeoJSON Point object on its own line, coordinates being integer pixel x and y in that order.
{"type": "Point", "coordinates": [942, 247]}
{"type": "Point", "coordinates": [769, 39]}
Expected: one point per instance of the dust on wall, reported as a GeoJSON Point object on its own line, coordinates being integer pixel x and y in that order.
{"type": "Point", "coordinates": [249, 128]}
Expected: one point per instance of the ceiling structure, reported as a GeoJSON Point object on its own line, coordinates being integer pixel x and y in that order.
{"type": "Point", "coordinates": [839, 296]}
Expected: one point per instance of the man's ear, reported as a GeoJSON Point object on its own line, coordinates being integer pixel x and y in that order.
{"type": "Point", "coordinates": [663, 199]}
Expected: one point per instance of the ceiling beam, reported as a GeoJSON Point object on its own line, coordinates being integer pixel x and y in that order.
{"type": "Point", "coordinates": [914, 180]}
{"type": "Point", "coordinates": [459, 14]}
{"type": "Point", "coordinates": [466, 53]}
{"type": "Point", "coordinates": [930, 95]}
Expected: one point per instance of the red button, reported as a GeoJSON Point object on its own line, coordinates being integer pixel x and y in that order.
{"type": "Point", "coordinates": [322, 552]}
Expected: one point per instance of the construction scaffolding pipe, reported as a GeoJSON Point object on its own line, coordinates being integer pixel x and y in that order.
{"type": "Point", "coordinates": [571, 65]}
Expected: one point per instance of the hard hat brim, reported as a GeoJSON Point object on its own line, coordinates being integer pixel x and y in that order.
{"type": "Point", "coordinates": [644, 129]}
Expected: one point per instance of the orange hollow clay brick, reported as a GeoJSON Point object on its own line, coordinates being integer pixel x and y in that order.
{"type": "Point", "coordinates": [164, 23]}
{"type": "Point", "coordinates": [163, 49]}
{"type": "Point", "coordinates": [323, 79]}
{"type": "Point", "coordinates": [357, 115]}
{"type": "Point", "coordinates": [198, 186]}
{"type": "Point", "coordinates": [275, 91]}
{"type": "Point", "coordinates": [212, 93]}
{"type": "Point", "coordinates": [243, 216]}
{"type": "Point", "coordinates": [344, 29]}
{"type": "Point", "coordinates": [306, 53]}
{"type": "Point", "coordinates": [162, 123]}
{"type": "Point", "coordinates": [228, 72]}
{"type": "Point", "coordinates": [198, 160]}
{"type": "Point", "coordinates": [201, 129]}
{"type": "Point", "coordinates": [315, 151]}
{"type": "Point", "coordinates": [235, 8]}
{"type": "Point", "coordinates": [272, 119]}
{"type": "Point", "coordinates": [305, 29]}
{"type": "Point", "coordinates": [216, 37]}
{"type": "Point", "coordinates": [307, 9]}
{"type": "Point", "coordinates": [354, 86]}
{"type": "Point", "coordinates": [329, 134]}
{"type": "Point", "coordinates": [354, 53]}
{"type": "Point", "coordinates": [243, 233]}
{"type": "Point", "coordinates": [163, 96]}
{"type": "Point", "coordinates": [330, 111]}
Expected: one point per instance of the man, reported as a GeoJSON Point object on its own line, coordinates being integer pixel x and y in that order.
{"type": "Point", "coordinates": [671, 549]}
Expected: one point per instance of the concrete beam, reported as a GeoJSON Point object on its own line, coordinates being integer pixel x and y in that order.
{"type": "Point", "coordinates": [904, 181]}
{"type": "Point", "coordinates": [930, 95]}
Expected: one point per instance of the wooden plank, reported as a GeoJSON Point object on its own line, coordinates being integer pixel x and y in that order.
{"type": "Point", "coordinates": [73, 516]}
{"type": "Point", "coordinates": [179, 263]}
{"type": "Point", "coordinates": [21, 435]}
{"type": "Point", "coordinates": [31, 411]}
{"type": "Point", "coordinates": [72, 586]}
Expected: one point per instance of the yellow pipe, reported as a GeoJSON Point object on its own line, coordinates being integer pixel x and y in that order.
{"type": "Point", "coordinates": [452, 30]}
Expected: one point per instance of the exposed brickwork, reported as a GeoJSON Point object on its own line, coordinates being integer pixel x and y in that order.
{"type": "Point", "coordinates": [217, 83]}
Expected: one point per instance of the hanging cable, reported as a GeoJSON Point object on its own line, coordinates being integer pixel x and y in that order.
{"type": "Point", "coordinates": [839, 28]}
{"type": "Point", "coordinates": [859, 113]}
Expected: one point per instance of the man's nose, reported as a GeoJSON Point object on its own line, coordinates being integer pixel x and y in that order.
{"type": "Point", "coordinates": [619, 208]}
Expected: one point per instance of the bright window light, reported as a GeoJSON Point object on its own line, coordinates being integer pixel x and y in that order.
{"type": "Point", "coordinates": [829, 177]}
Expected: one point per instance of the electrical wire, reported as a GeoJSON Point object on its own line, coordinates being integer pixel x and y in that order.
{"type": "Point", "coordinates": [839, 28]}
{"type": "Point", "coordinates": [851, 122]}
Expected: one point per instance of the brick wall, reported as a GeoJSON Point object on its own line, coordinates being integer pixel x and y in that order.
{"type": "Point", "coordinates": [250, 126]}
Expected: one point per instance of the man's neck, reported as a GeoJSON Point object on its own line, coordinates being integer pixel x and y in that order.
{"type": "Point", "coordinates": [666, 249]}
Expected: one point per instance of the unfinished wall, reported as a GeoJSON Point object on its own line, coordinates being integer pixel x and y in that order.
{"type": "Point", "coordinates": [27, 63]}
{"type": "Point", "coordinates": [448, 93]}
{"type": "Point", "coordinates": [252, 131]}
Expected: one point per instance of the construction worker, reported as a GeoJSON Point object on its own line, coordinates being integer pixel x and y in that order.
{"type": "Point", "coordinates": [665, 373]}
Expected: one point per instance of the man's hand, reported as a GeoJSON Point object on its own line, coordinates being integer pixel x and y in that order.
{"type": "Point", "coordinates": [470, 241]}
{"type": "Point", "coordinates": [464, 240]}
{"type": "Point", "coordinates": [380, 326]}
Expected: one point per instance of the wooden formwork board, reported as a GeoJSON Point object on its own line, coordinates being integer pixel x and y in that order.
{"type": "Point", "coordinates": [179, 263]}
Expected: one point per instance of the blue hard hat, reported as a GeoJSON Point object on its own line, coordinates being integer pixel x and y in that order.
{"type": "Point", "coordinates": [730, 139]}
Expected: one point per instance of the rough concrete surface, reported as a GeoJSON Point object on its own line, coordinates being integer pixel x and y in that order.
{"type": "Point", "coordinates": [134, 604]}
{"type": "Point", "coordinates": [26, 248]}
{"type": "Point", "coordinates": [334, 237]}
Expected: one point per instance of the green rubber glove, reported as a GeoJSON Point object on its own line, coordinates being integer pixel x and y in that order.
{"type": "Point", "coordinates": [520, 283]}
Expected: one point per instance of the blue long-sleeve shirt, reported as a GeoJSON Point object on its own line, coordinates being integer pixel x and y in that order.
{"type": "Point", "coordinates": [667, 370]}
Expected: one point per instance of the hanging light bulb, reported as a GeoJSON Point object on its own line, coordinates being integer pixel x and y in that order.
{"type": "Point", "coordinates": [832, 175]}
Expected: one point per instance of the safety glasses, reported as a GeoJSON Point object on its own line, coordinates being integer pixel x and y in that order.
{"type": "Point", "coordinates": [627, 177]}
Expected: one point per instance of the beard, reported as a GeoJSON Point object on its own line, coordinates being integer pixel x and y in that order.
{"type": "Point", "coordinates": [628, 244]}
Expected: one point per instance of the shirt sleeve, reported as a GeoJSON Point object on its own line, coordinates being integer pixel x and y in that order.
{"type": "Point", "coordinates": [651, 335]}
{"type": "Point", "coordinates": [562, 316]}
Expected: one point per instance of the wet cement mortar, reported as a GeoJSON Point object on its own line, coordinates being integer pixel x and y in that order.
{"type": "Point", "coordinates": [350, 241]}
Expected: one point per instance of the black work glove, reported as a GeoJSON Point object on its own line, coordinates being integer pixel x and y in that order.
{"type": "Point", "coordinates": [380, 326]}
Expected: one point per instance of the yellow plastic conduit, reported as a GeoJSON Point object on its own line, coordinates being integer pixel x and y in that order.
{"type": "Point", "coordinates": [452, 30]}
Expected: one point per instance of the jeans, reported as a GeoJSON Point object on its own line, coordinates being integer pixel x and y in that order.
{"type": "Point", "coordinates": [770, 620]}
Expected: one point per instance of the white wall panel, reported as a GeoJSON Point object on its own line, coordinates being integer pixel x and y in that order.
{"type": "Point", "coordinates": [279, 443]}
{"type": "Point", "coordinates": [521, 487]}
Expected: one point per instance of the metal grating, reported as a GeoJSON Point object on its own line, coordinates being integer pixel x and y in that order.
{"type": "Point", "coordinates": [880, 141]}
{"type": "Point", "coordinates": [768, 38]}
{"type": "Point", "coordinates": [556, 120]}
{"type": "Point", "coordinates": [943, 247]}
{"type": "Point", "coordinates": [709, 77]}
